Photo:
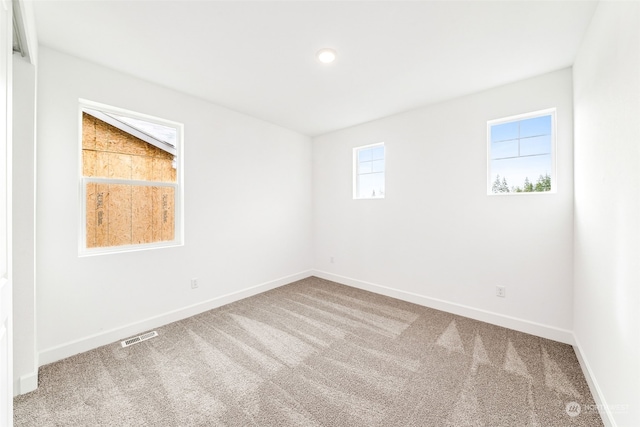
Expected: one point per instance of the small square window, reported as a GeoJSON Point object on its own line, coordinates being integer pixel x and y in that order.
{"type": "Point", "coordinates": [522, 154]}
{"type": "Point", "coordinates": [368, 172]}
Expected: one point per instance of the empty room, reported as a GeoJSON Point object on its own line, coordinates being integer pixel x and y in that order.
{"type": "Point", "coordinates": [320, 213]}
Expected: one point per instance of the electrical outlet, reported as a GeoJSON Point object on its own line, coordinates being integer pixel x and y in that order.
{"type": "Point", "coordinates": [194, 283]}
{"type": "Point", "coordinates": [501, 291]}
{"type": "Point", "coordinates": [331, 260]}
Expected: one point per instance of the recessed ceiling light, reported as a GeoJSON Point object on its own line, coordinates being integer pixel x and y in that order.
{"type": "Point", "coordinates": [326, 56]}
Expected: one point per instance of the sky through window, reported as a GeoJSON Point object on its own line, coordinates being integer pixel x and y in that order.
{"type": "Point", "coordinates": [521, 153]}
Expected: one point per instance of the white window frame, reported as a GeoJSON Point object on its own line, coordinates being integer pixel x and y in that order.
{"type": "Point", "coordinates": [84, 180]}
{"type": "Point", "coordinates": [356, 174]}
{"type": "Point", "coordinates": [554, 174]}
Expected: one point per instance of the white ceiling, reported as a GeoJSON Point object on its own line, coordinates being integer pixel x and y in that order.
{"type": "Point", "coordinates": [259, 57]}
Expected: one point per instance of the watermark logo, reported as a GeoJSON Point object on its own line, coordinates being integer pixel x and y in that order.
{"type": "Point", "coordinates": [573, 409]}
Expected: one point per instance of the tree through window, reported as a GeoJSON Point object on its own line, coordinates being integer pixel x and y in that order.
{"type": "Point", "coordinates": [521, 153]}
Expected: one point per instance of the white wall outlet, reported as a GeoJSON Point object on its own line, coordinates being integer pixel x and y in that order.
{"type": "Point", "coordinates": [194, 283]}
{"type": "Point", "coordinates": [331, 260]}
{"type": "Point", "coordinates": [501, 291]}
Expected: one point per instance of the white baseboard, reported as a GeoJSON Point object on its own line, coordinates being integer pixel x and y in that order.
{"type": "Point", "coordinates": [63, 351]}
{"type": "Point", "coordinates": [29, 382]}
{"type": "Point", "coordinates": [603, 408]}
{"type": "Point", "coordinates": [25, 383]}
{"type": "Point", "coordinates": [522, 325]}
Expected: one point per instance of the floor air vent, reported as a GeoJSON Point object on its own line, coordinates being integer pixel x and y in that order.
{"type": "Point", "coordinates": [139, 338]}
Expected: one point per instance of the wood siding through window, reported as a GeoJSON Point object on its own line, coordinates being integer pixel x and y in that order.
{"type": "Point", "coordinates": [125, 214]}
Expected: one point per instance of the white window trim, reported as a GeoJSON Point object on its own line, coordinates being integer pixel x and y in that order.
{"type": "Point", "coordinates": [355, 170]}
{"type": "Point", "coordinates": [178, 240]}
{"type": "Point", "coordinates": [554, 131]}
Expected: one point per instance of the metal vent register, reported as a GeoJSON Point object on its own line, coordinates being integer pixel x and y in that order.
{"type": "Point", "coordinates": [139, 338]}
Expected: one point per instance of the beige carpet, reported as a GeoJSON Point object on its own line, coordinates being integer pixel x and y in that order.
{"type": "Point", "coordinates": [316, 353]}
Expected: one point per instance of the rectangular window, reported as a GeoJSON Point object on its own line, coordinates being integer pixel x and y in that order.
{"type": "Point", "coordinates": [368, 172]}
{"type": "Point", "coordinates": [130, 181]}
{"type": "Point", "coordinates": [522, 153]}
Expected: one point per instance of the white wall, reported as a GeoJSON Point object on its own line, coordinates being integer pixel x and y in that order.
{"type": "Point", "coordinates": [25, 364]}
{"type": "Point", "coordinates": [437, 238]}
{"type": "Point", "coordinates": [247, 213]}
{"type": "Point", "coordinates": [607, 206]}
{"type": "Point", "coordinates": [6, 226]}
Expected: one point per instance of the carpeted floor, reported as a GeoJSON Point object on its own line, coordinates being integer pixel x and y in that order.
{"type": "Point", "coordinates": [316, 353]}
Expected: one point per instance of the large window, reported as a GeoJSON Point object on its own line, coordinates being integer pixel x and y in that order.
{"type": "Point", "coordinates": [522, 154]}
{"type": "Point", "coordinates": [130, 181]}
{"type": "Point", "coordinates": [368, 172]}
